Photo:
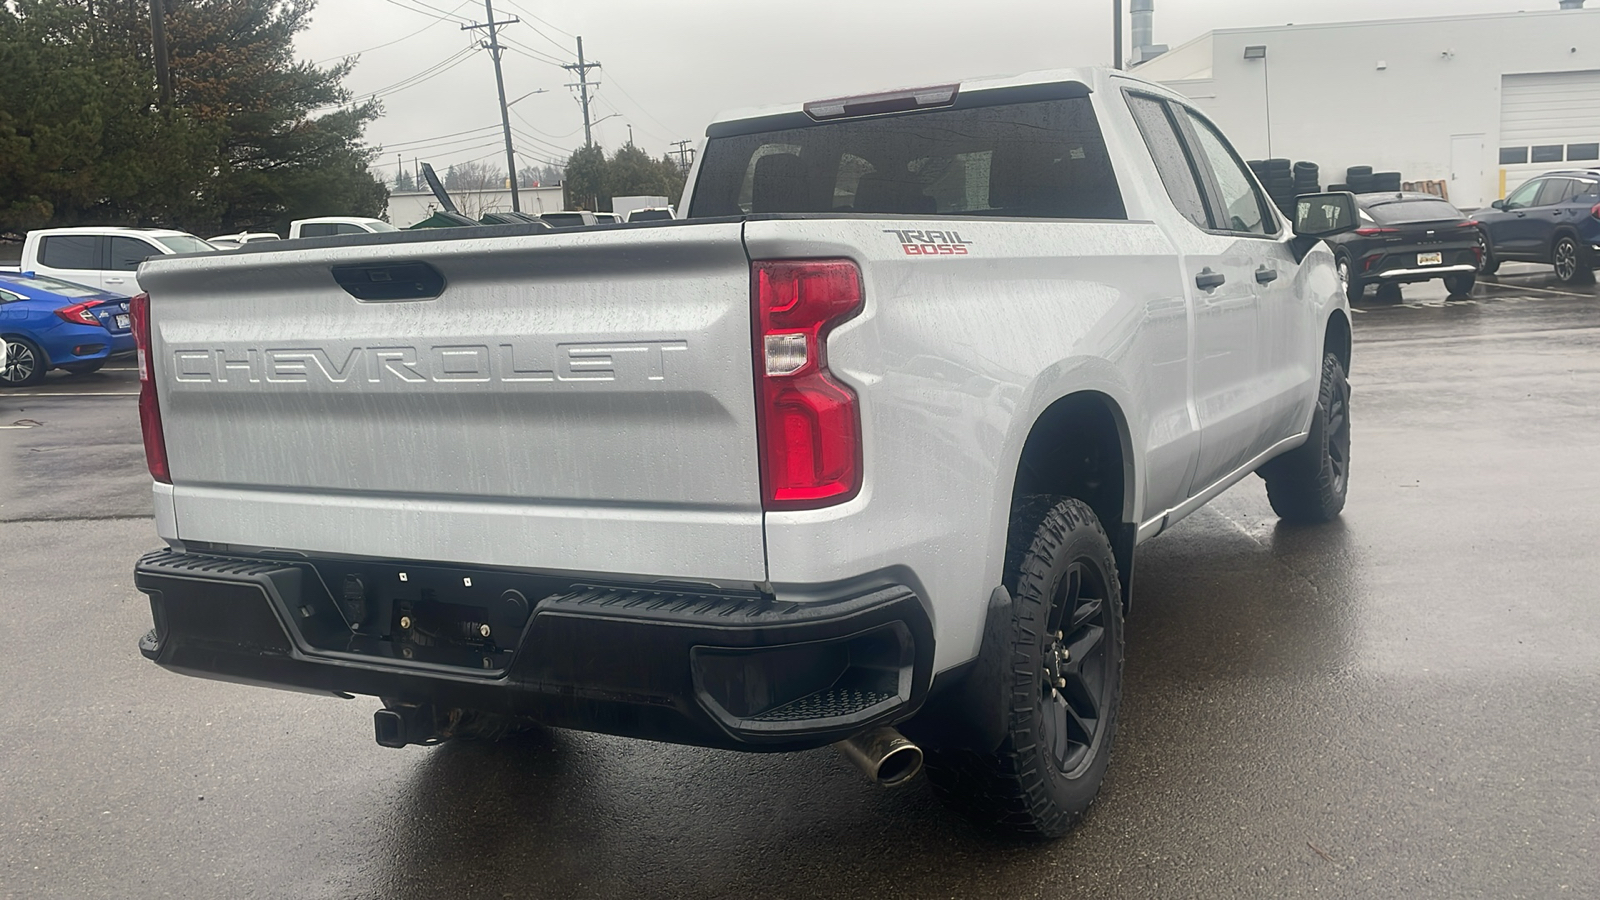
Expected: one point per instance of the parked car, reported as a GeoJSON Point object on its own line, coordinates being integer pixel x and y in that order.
{"type": "Point", "coordinates": [99, 257]}
{"type": "Point", "coordinates": [605, 218]}
{"type": "Point", "coordinates": [48, 323]}
{"type": "Point", "coordinates": [651, 214]}
{"type": "Point", "coordinates": [864, 465]}
{"type": "Point", "coordinates": [570, 218]}
{"type": "Point", "coordinates": [327, 226]}
{"type": "Point", "coordinates": [1552, 219]}
{"type": "Point", "coordinates": [1406, 237]}
{"type": "Point", "coordinates": [235, 241]}
{"type": "Point", "coordinates": [512, 217]}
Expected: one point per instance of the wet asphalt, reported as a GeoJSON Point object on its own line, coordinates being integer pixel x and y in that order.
{"type": "Point", "coordinates": [1403, 703]}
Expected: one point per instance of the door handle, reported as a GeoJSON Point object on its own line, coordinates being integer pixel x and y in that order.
{"type": "Point", "coordinates": [1208, 280]}
{"type": "Point", "coordinates": [110, 280]}
{"type": "Point", "coordinates": [1265, 275]}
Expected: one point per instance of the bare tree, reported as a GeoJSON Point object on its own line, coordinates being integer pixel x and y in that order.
{"type": "Point", "coordinates": [469, 185]}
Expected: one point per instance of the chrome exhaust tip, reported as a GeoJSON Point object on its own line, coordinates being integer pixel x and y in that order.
{"type": "Point", "coordinates": [885, 755]}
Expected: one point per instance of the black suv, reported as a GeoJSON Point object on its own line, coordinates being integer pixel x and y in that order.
{"type": "Point", "coordinates": [1553, 219]}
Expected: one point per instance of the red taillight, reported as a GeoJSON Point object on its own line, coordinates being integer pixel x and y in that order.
{"type": "Point", "coordinates": [1470, 223]}
{"type": "Point", "coordinates": [155, 443]}
{"type": "Point", "coordinates": [1595, 211]}
{"type": "Point", "coordinates": [808, 424]}
{"type": "Point", "coordinates": [78, 313]}
{"type": "Point", "coordinates": [1369, 232]}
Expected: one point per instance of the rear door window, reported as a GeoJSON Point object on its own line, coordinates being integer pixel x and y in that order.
{"type": "Point", "coordinates": [70, 251]}
{"type": "Point", "coordinates": [1042, 159]}
{"type": "Point", "coordinates": [1555, 191]}
{"type": "Point", "coordinates": [127, 253]}
{"type": "Point", "coordinates": [316, 229]}
{"type": "Point", "coordinates": [1172, 161]}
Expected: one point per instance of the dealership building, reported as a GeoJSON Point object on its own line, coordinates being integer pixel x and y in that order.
{"type": "Point", "coordinates": [1480, 103]}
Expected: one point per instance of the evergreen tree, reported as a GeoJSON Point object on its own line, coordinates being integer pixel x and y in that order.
{"type": "Point", "coordinates": [254, 137]}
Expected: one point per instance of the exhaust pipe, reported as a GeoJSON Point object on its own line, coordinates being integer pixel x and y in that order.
{"type": "Point", "coordinates": [885, 755]}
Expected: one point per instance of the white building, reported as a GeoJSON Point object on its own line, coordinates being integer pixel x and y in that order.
{"type": "Point", "coordinates": [407, 208]}
{"type": "Point", "coordinates": [1479, 102]}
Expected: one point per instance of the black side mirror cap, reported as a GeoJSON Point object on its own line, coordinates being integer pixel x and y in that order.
{"type": "Point", "coordinates": [1324, 215]}
{"type": "Point", "coordinates": [1498, 204]}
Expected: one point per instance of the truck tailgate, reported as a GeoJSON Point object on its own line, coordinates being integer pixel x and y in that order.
{"type": "Point", "coordinates": [577, 402]}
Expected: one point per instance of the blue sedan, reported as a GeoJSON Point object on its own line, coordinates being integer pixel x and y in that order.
{"type": "Point", "coordinates": [47, 323]}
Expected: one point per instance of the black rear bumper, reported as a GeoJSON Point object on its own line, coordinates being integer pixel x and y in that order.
{"type": "Point", "coordinates": [721, 669]}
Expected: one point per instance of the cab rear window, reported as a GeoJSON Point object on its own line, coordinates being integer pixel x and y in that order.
{"type": "Point", "coordinates": [1044, 159]}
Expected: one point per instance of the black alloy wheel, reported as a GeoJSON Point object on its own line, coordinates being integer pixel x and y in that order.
{"type": "Point", "coordinates": [25, 364]}
{"type": "Point", "coordinates": [1075, 680]}
{"type": "Point", "coordinates": [1568, 258]}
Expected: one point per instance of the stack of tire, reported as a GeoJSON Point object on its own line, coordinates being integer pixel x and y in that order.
{"type": "Point", "coordinates": [1362, 180]}
{"type": "Point", "coordinates": [1306, 178]}
{"type": "Point", "coordinates": [1277, 176]}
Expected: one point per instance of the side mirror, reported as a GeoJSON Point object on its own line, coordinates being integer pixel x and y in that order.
{"type": "Point", "coordinates": [1498, 204]}
{"type": "Point", "coordinates": [1320, 216]}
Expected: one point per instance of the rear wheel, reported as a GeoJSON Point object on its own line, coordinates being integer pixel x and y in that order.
{"type": "Point", "coordinates": [1389, 293]}
{"type": "Point", "coordinates": [1065, 681]}
{"type": "Point", "coordinates": [1460, 285]}
{"type": "Point", "coordinates": [84, 368]}
{"type": "Point", "coordinates": [1570, 261]}
{"type": "Point", "coordinates": [25, 363]}
{"type": "Point", "coordinates": [1309, 483]}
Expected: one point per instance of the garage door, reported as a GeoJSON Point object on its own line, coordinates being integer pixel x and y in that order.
{"type": "Point", "coordinates": [1548, 121]}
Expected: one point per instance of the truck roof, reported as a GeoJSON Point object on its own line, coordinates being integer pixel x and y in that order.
{"type": "Point", "coordinates": [111, 229]}
{"type": "Point", "coordinates": [1092, 78]}
{"type": "Point", "coordinates": [337, 219]}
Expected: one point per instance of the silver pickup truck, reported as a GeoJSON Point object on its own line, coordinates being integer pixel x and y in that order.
{"type": "Point", "coordinates": [859, 451]}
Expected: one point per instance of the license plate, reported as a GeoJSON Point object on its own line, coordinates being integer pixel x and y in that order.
{"type": "Point", "coordinates": [123, 321]}
{"type": "Point", "coordinates": [1430, 259]}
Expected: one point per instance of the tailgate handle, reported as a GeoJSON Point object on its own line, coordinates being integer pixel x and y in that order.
{"type": "Point", "coordinates": [380, 282]}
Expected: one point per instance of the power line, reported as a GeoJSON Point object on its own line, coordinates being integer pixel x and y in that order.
{"type": "Point", "coordinates": [641, 106]}
{"type": "Point", "coordinates": [540, 21]}
{"type": "Point", "coordinates": [389, 43]}
{"type": "Point", "coordinates": [411, 6]}
{"type": "Point", "coordinates": [518, 114]}
{"type": "Point", "coordinates": [521, 50]}
{"type": "Point", "coordinates": [431, 72]}
{"type": "Point", "coordinates": [439, 138]}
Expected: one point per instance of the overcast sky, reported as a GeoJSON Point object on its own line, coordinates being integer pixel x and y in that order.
{"type": "Point", "coordinates": [669, 67]}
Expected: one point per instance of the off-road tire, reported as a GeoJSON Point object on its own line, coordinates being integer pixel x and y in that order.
{"type": "Point", "coordinates": [1460, 285]}
{"type": "Point", "coordinates": [1308, 484]}
{"type": "Point", "coordinates": [24, 364]}
{"type": "Point", "coordinates": [1041, 781]}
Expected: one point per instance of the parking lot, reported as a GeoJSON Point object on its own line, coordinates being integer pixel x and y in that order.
{"type": "Point", "coordinates": [1399, 704]}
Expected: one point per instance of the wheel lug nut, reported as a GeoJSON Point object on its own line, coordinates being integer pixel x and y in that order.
{"type": "Point", "coordinates": [1066, 655]}
{"type": "Point", "coordinates": [1061, 682]}
{"type": "Point", "coordinates": [1060, 635]}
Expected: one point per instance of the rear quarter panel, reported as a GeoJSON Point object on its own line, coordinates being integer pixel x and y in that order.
{"type": "Point", "coordinates": [954, 358]}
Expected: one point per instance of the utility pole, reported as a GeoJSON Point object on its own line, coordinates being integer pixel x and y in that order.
{"type": "Point", "coordinates": [500, 85]}
{"type": "Point", "coordinates": [630, 135]}
{"type": "Point", "coordinates": [158, 38]}
{"type": "Point", "coordinates": [685, 155]}
{"type": "Point", "coordinates": [582, 68]}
